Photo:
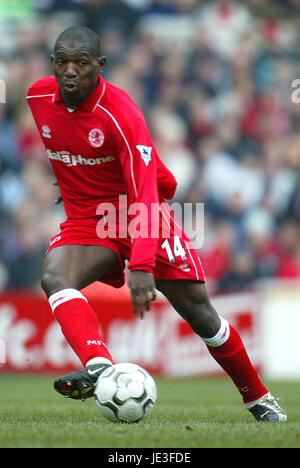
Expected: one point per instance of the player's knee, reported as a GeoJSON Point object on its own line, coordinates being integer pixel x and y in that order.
{"type": "Point", "coordinates": [204, 320]}
{"type": "Point", "coordinates": [52, 283]}
{"type": "Point", "coordinates": [202, 316]}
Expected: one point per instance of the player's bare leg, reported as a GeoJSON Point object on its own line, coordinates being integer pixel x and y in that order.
{"type": "Point", "coordinates": [191, 301]}
{"type": "Point", "coordinates": [68, 269]}
{"type": "Point", "coordinates": [75, 266]}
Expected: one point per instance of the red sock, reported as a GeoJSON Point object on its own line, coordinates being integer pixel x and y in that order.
{"type": "Point", "coordinates": [233, 358]}
{"type": "Point", "coordinates": [79, 324]}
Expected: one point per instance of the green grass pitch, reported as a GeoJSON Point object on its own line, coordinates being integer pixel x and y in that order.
{"type": "Point", "coordinates": [189, 413]}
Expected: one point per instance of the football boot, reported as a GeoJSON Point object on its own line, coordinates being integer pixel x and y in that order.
{"type": "Point", "coordinates": [266, 409]}
{"type": "Point", "coordinates": [80, 385]}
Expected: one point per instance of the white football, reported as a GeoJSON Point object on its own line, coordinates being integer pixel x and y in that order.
{"type": "Point", "coordinates": [125, 392]}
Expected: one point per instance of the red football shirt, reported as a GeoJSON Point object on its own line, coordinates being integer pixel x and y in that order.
{"type": "Point", "coordinates": [99, 151]}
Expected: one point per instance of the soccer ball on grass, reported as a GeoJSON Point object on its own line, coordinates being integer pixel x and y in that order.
{"type": "Point", "coordinates": [125, 392]}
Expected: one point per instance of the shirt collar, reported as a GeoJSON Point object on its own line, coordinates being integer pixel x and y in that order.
{"type": "Point", "coordinates": [91, 102]}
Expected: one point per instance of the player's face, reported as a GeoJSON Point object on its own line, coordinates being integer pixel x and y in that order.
{"type": "Point", "coordinates": [76, 71]}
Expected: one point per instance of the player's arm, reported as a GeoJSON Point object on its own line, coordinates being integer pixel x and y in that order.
{"type": "Point", "coordinates": [138, 160]}
{"type": "Point", "coordinates": [59, 199]}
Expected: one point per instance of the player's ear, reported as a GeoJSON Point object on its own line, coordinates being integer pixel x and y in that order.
{"type": "Point", "coordinates": [52, 57]}
{"type": "Point", "coordinates": [101, 63]}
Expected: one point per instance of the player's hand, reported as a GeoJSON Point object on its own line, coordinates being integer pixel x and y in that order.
{"type": "Point", "coordinates": [59, 199]}
{"type": "Point", "coordinates": [142, 288]}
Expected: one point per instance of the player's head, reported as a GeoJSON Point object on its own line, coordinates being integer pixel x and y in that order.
{"type": "Point", "coordinates": [77, 62]}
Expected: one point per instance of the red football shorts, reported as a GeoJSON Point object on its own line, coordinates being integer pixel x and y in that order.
{"type": "Point", "coordinates": [176, 259]}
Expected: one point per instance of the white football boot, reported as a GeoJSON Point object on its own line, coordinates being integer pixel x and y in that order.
{"type": "Point", "coordinates": [266, 409]}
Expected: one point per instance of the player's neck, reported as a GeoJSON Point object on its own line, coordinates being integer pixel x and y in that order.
{"type": "Point", "coordinates": [71, 103]}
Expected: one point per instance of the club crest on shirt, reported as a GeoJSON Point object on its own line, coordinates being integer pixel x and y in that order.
{"type": "Point", "coordinates": [96, 137]}
{"type": "Point", "coordinates": [46, 131]}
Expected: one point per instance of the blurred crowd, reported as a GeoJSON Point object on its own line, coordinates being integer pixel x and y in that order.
{"type": "Point", "coordinates": [215, 82]}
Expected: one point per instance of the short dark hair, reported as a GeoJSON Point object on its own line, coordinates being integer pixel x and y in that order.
{"type": "Point", "coordinates": [80, 36]}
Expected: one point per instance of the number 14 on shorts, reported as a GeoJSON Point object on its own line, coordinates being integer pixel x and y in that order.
{"type": "Point", "coordinates": [176, 250]}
